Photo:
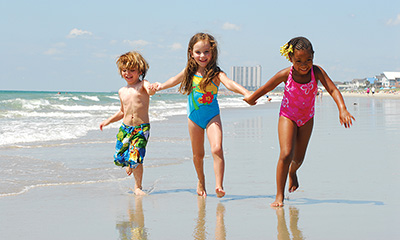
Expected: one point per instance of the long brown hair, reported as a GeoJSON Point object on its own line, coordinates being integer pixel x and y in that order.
{"type": "Point", "coordinates": [212, 70]}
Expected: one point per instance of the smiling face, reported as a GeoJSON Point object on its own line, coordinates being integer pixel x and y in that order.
{"type": "Point", "coordinates": [131, 76]}
{"type": "Point", "coordinates": [201, 53]}
{"type": "Point", "coordinates": [302, 60]}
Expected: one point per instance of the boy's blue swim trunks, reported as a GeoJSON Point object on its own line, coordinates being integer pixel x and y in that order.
{"type": "Point", "coordinates": [131, 145]}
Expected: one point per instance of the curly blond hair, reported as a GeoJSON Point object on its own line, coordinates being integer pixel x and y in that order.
{"type": "Point", "coordinates": [132, 61]}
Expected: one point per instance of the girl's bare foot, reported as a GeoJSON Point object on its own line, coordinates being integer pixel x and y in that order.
{"type": "Point", "coordinates": [128, 170]}
{"type": "Point", "coordinates": [293, 182]}
{"type": "Point", "coordinates": [139, 192]}
{"type": "Point", "coordinates": [278, 202]}
{"type": "Point", "coordinates": [201, 190]}
{"type": "Point", "coordinates": [220, 192]}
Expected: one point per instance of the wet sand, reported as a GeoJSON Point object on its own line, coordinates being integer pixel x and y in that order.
{"type": "Point", "coordinates": [347, 188]}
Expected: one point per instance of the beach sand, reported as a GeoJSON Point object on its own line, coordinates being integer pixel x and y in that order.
{"type": "Point", "coordinates": [348, 184]}
{"type": "Point", "coordinates": [380, 94]}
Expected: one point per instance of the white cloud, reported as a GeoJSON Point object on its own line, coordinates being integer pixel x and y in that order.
{"type": "Point", "coordinates": [230, 26]}
{"type": "Point", "coordinates": [77, 32]}
{"type": "Point", "coordinates": [136, 43]}
{"type": "Point", "coordinates": [395, 21]}
{"type": "Point", "coordinates": [175, 46]}
{"type": "Point", "coordinates": [53, 51]}
{"type": "Point", "coordinates": [56, 49]}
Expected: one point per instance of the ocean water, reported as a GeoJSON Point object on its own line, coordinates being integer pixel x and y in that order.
{"type": "Point", "coordinates": [41, 134]}
{"type": "Point", "coordinates": [29, 117]}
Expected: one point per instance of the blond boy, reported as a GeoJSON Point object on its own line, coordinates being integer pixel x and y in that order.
{"type": "Point", "coordinates": [135, 128]}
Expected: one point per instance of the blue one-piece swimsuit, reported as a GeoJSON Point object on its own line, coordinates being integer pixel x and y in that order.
{"type": "Point", "coordinates": [202, 105]}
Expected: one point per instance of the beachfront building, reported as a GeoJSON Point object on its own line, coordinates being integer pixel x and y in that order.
{"type": "Point", "coordinates": [248, 77]}
{"type": "Point", "coordinates": [340, 85]}
{"type": "Point", "coordinates": [384, 80]}
{"type": "Point", "coordinates": [357, 83]}
{"type": "Point", "coordinates": [390, 79]}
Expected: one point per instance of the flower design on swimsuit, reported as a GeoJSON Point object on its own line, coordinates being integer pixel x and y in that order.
{"type": "Point", "coordinates": [299, 122]}
{"type": "Point", "coordinates": [285, 102]}
{"type": "Point", "coordinates": [206, 98]}
{"type": "Point", "coordinates": [312, 111]}
{"type": "Point", "coordinates": [307, 88]}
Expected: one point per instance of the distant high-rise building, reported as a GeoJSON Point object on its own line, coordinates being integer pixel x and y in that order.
{"type": "Point", "coordinates": [248, 77]}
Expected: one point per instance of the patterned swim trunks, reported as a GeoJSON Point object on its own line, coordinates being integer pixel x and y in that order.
{"type": "Point", "coordinates": [131, 145]}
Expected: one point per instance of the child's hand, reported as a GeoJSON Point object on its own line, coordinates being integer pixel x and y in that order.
{"type": "Point", "coordinates": [102, 124]}
{"type": "Point", "coordinates": [155, 86]}
{"type": "Point", "coordinates": [346, 118]}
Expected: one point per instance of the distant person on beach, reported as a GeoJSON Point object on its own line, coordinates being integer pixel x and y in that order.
{"type": "Point", "coordinates": [296, 117]}
{"type": "Point", "coordinates": [200, 80]}
{"type": "Point", "coordinates": [319, 93]}
{"type": "Point", "coordinates": [135, 129]}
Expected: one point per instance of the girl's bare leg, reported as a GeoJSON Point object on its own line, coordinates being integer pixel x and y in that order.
{"type": "Point", "coordinates": [197, 140]}
{"type": "Point", "coordinates": [138, 175]}
{"type": "Point", "coordinates": [214, 134]}
{"type": "Point", "coordinates": [287, 131]}
{"type": "Point", "coordinates": [302, 140]}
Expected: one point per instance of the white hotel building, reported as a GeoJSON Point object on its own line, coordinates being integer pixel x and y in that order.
{"type": "Point", "coordinates": [248, 77]}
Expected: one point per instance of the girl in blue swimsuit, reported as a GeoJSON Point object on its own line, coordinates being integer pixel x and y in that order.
{"type": "Point", "coordinates": [200, 81]}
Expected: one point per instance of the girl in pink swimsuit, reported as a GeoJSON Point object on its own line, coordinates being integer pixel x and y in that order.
{"type": "Point", "coordinates": [296, 117]}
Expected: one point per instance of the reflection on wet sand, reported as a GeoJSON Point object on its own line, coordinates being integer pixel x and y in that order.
{"type": "Point", "coordinates": [283, 231]}
{"type": "Point", "coordinates": [134, 228]}
{"type": "Point", "coordinates": [200, 231]}
{"type": "Point", "coordinates": [220, 231]}
{"type": "Point", "coordinates": [252, 128]}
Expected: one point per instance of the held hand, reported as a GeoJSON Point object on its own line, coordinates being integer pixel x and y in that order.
{"type": "Point", "coordinates": [151, 90]}
{"type": "Point", "coordinates": [346, 118]}
{"type": "Point", "coordinates": [155, 86]}
{"type": "Point", "coordinates": [250, 102]}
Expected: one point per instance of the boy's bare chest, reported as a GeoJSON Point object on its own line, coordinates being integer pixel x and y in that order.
{"type": "Point", "coordinates": [132, 93]}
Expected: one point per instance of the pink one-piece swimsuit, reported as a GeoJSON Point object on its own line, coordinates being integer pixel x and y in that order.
{"type": "Point", "coordinates": [299, 100]}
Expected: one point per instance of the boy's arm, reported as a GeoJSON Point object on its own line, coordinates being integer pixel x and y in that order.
{"type": "Point", "coordinates": [277, 79]}
{"type": "Point", "coordinates": [148, 87]}
{"type": "Point", "coordinates": [232, 85]}
{"type": "Point", "coordinates": [169, 83]}
{"type": "Point", "coordinates": [116, 117]}
{"type": "Point", "coordinates": [344, 116]}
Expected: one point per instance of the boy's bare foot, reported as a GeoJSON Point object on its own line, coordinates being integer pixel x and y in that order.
{"type": "Point", "coordinates": [293, 182]}
{"type": "Point", "coordinates": [139, 192]}
{"type": "Point", "coordinates": [220, 192]}
{"type": "Point", "coordinates": [128, 170]}
{"type": "Point", "coordinates": [201, 190]}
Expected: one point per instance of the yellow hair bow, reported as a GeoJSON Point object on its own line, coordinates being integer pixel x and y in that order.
{"type": "Point", "coordinates": [285, 50]}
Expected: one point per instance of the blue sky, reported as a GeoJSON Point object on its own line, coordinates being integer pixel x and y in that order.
{"type": "Point", "coordinates": [72, 45]}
